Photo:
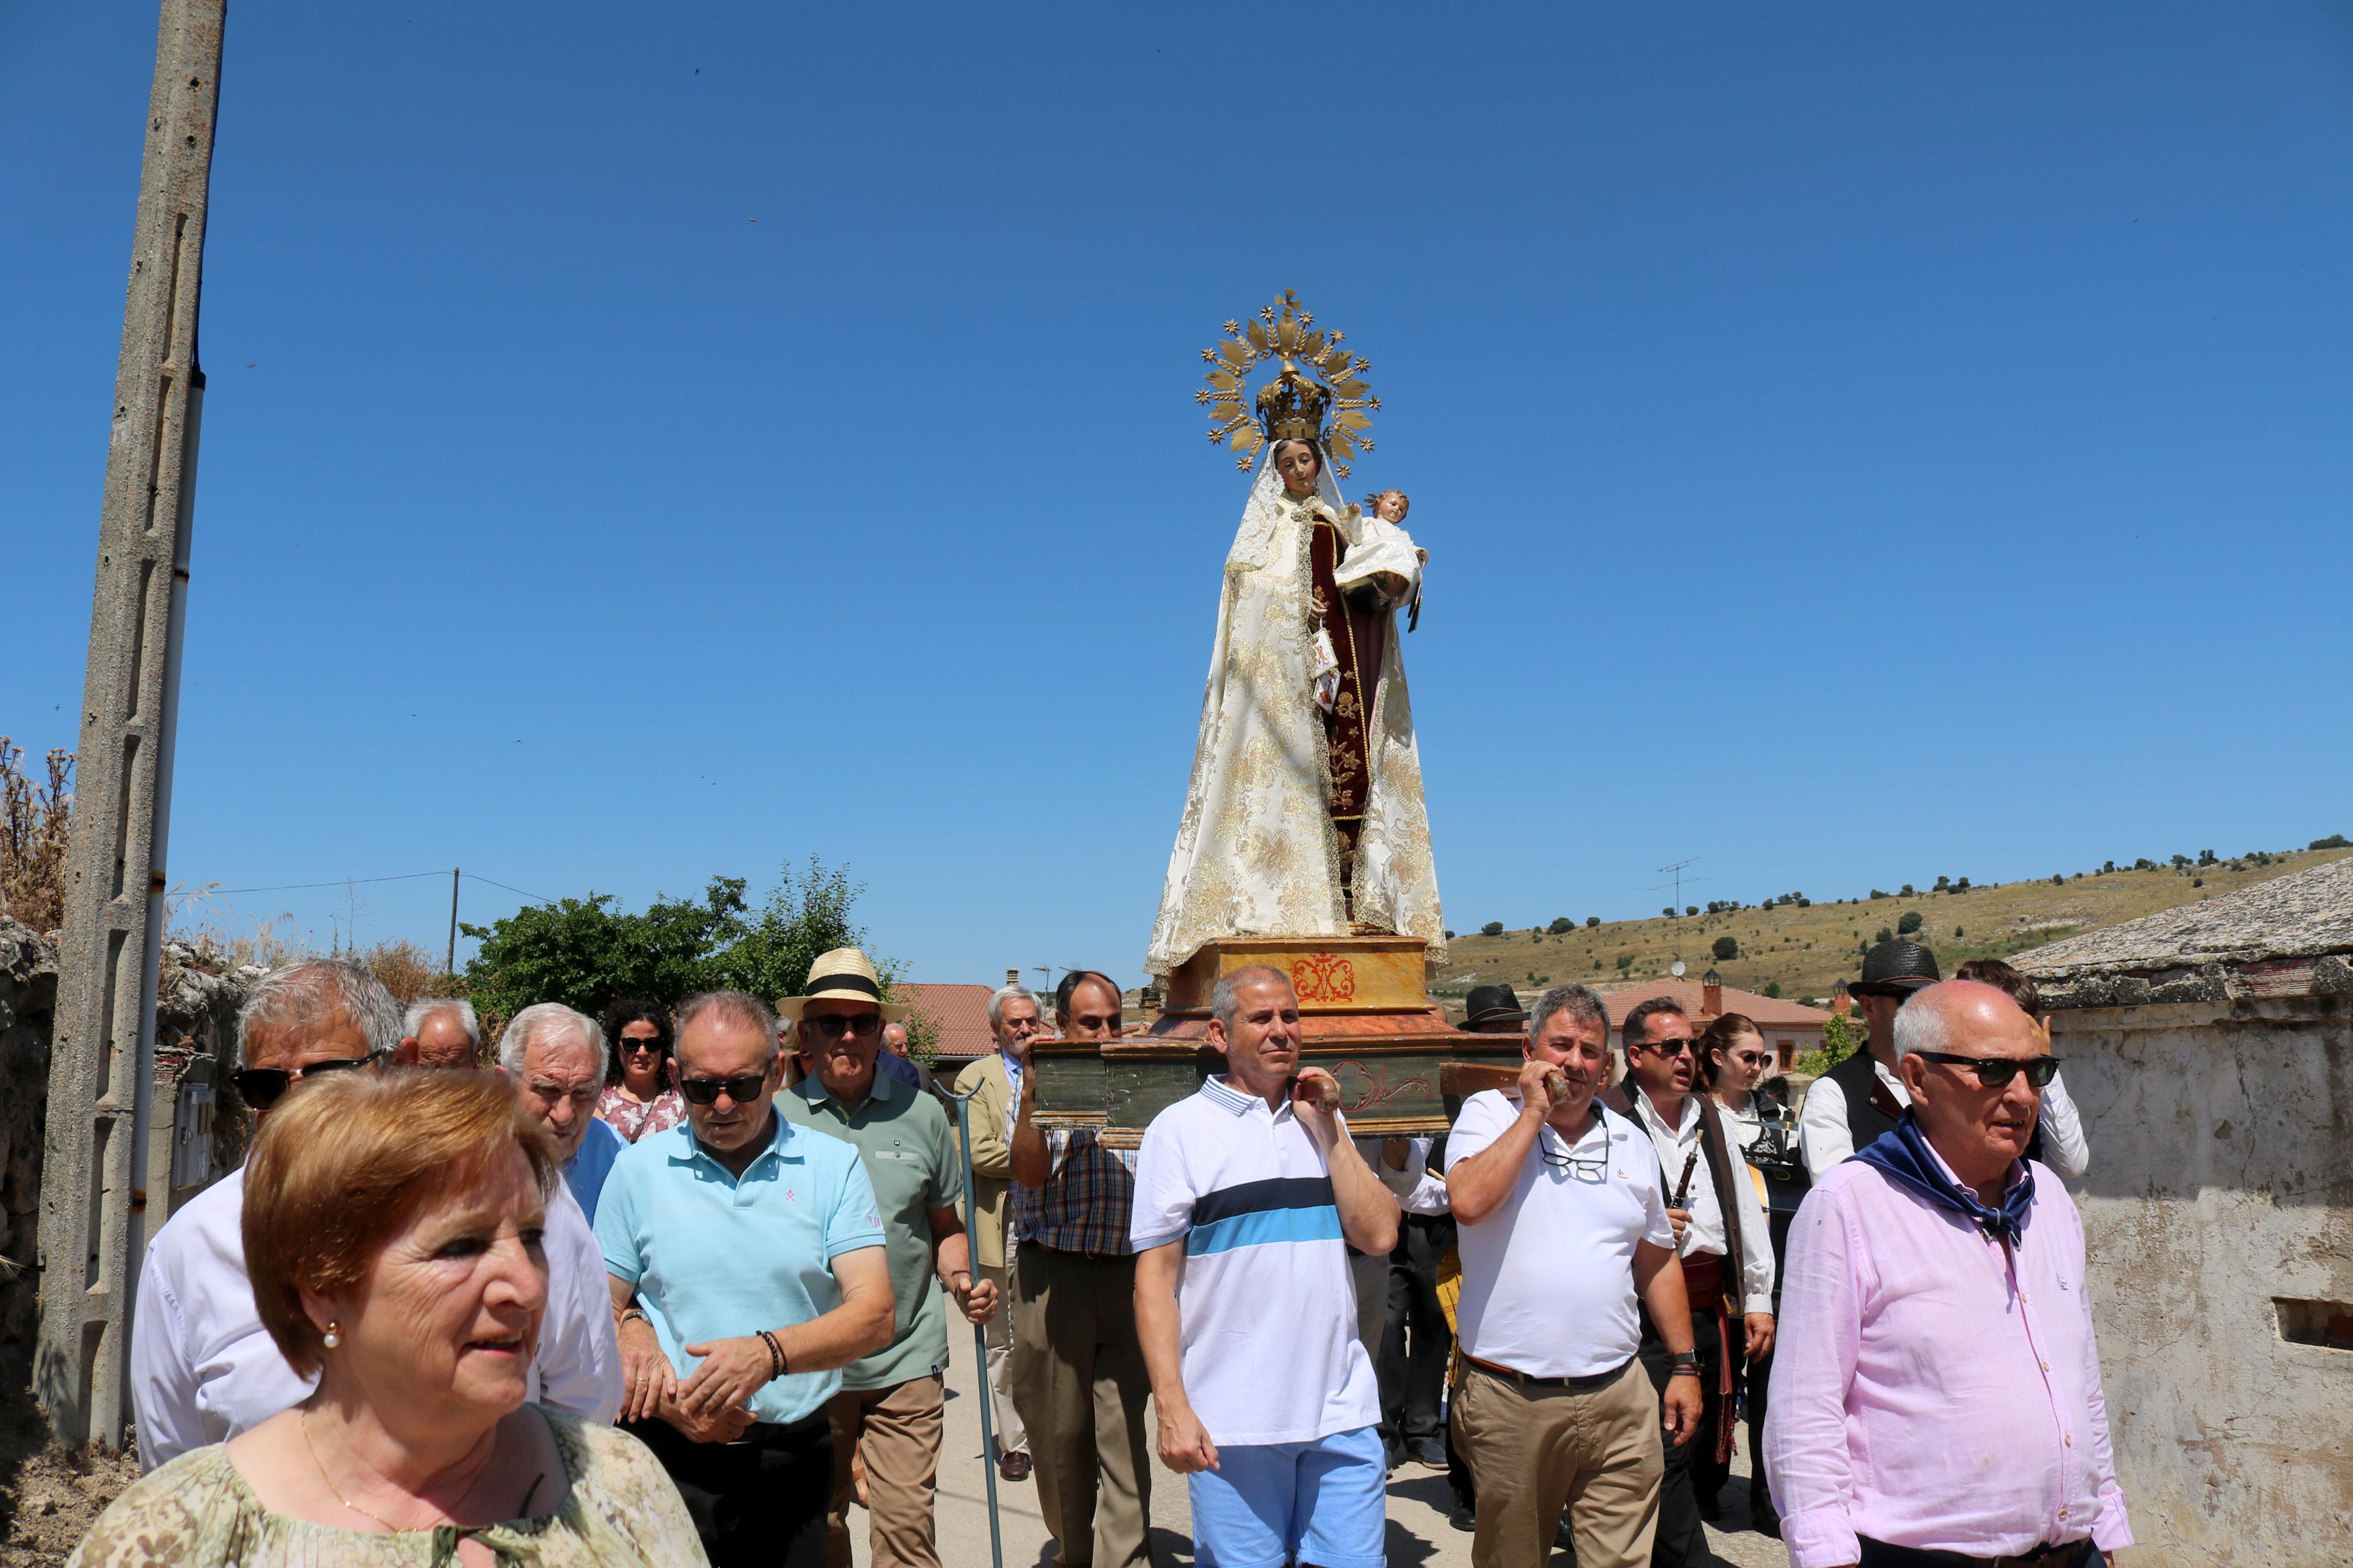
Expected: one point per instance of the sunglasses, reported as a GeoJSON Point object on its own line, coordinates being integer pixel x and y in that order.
{"type": "Point", "coordinates": [833, 1026]}
{"type": "Point", "coordinates": [262, 1087]}
{"type": "Point", "coordinates": [654, 1047]}
{"type": "Point", "coordinates": [1995, 1072]}
{"type": "Point", "coordinates": [1666, 1047]}
{"type": "Point", "coordinates": [743, 1091]}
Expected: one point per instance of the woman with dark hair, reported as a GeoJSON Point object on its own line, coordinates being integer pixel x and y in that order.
{"type": "Point", "coordinates": [640, 1087]}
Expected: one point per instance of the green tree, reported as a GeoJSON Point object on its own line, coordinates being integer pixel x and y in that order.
{"type": "Point", "coordinates": [1562, 925]}
{"type": "Point", "coordinates": [1909, 924]}
{"type": "Point", "coordinates": [1727, 949]}
{"type": "Point", "coordinates": [1839, 1040]}
{"type": "Point", "coordinates": [2334, 841]}
{"type": "Point", "coordinates": [1770, 988]}
{"type": "Point", "coordinates": [1591, 921]}
{"type": "Point", "coordinates": [1493, 928]}
{"type": "Point", "coordinates": [769, 955]}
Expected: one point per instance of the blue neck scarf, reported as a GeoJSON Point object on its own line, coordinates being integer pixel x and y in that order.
{"type": "Point", "coordinates": [1904, 1155]}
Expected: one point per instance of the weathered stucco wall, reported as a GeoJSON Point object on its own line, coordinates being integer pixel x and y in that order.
{"type": "Point", "coordinates": [2221, 1178]}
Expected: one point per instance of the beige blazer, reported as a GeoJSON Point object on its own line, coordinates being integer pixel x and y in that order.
{"type": "Point", "coordinates": [992, 1157]}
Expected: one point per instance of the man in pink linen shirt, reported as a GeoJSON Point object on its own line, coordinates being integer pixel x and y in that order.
{"type": "Point", "coordinates": [1936, 1395]}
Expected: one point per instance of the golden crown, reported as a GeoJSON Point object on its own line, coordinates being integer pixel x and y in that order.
{"type": "Point", "coordinates": [1317, 380]}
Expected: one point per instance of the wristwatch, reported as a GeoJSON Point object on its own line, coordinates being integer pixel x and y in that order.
{"type": "Point", "coordinates": [1682, 1361]}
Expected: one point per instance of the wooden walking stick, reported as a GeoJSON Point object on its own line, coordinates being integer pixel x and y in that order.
{"type": "Point", "coordinates": [980, 1333]}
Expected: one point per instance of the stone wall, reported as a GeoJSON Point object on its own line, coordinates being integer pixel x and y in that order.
{"type": "Point", "coordinates": [29, 995]}
{"type": "Point", "coordinates": [195, 1039]}
{"type": "Point", "coordinates": [2220, 1186]}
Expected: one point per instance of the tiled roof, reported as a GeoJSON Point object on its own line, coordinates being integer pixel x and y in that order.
{"type": "Point", "coordinates": [1769, 1012]}
{"type": "Point", "coordinates": [2304, 914]}
{"type": "Point", "coordinates": [960, 1012]}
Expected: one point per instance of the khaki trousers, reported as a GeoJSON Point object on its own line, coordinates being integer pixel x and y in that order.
{"type": "Point", "coordinates": [1080, 1384]}
{"type": "Point", "coordinates": [895, 1431]}
{"type": "Point", "coordinates": [1534, 1450]}
{"type": "Point", "coordinates": [1010, 1437]}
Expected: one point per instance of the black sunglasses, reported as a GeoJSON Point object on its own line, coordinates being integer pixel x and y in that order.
{"type": "Point", "coordinates": [1664, 1047]}
{"type": "Point", "coordinates": [833, 1026]}
{"type": "Point", "coordinates": [1995, 1072]}
{"type": "Point", "coordinates": [659, 1048]}
{"type": "Point", "coordinates": [743, 1091]}
{"type": "Point", "coordinates": [262, 1087]}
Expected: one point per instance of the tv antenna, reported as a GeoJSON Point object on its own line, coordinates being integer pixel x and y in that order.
{"type": "Point", "coordinates": [1676, 872]}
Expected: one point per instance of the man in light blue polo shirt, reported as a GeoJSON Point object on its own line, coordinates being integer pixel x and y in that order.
{"type": "Point", "coordinates": [748, 1267]}
{"type": "Point", "coordinates": [1245, 1302]}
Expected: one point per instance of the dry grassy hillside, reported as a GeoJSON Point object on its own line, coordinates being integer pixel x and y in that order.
{"type": "Point", "coordinates": [1806, 949]}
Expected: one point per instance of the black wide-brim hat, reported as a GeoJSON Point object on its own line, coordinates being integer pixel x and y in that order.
{"type": "Point", "coordinates": [1895, 969]}
{"type": "Point", "coordinates": [1488, 1006]}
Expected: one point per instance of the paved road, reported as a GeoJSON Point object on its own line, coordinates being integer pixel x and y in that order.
{"type": "Point", "coordinates": [1418, 1535]}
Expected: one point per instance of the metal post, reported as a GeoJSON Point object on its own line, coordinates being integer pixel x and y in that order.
{"type": "Point", "coordinates": [980, 1333]}
{"type": "Point", "coordinates": [449, 964]}
{"type": "Point", "coordinates": [103, 1054]}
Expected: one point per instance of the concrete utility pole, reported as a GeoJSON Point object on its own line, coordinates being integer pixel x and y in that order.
{"type": "Point", "coordinates": [103, 1055]}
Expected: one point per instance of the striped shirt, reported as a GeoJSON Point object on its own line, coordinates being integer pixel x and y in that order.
{"type": "Point", "coordinates": [1085, 1203]}
{"type": "Point", "coordinates": [1247, 1191]}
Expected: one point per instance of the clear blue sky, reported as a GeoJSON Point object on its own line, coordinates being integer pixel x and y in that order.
{"type": "Point", "coordinates": [1855, 443]}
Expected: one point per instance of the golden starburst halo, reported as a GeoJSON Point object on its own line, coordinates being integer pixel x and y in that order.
{"type": "Point", "coordinates": [1317, 393]}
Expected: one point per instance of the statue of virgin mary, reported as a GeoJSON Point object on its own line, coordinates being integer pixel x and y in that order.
{"type": "Point", "coordinates": [1304, 814]}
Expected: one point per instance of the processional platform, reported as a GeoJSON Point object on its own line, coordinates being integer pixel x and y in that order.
{"type": "Point", "coordinates": [1365, 1014]}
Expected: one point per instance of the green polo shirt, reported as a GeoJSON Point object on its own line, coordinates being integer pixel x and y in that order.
{"type": "Point", "coordinates": [902, 1137]}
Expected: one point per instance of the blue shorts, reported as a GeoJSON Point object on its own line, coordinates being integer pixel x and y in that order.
{"type": "Point", "coordinates": [1325, 1502]}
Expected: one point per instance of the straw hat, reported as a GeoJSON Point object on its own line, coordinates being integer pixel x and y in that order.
{"type": "Point", "coordinates": [844, 974]}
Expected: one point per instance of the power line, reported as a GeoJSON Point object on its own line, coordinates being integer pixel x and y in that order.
{"type": "Point", "coordinates": [347, 881]}
{"type": "Point", "coordinates": [338, 883]}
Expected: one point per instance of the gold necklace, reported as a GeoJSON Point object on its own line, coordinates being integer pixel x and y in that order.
{"type": "Point", "coordinates": [303, 1421]}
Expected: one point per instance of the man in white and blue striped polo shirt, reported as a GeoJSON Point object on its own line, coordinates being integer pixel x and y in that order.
{"type": "Point", "coordinates": [1243, 1299]}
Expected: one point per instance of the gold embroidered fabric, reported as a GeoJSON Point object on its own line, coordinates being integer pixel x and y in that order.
{"type": "Point", "coordinates": [1256, 854]}
{"type": "Point", "coordinates": [198, 1512]}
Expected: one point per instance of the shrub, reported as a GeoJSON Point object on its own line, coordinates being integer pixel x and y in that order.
{"type": "Point", "coordinates": [1770, 988]}
{"type": "Point", "coordinates": [1877, 894]}
{"type": "Point", "coordinates": [33, 824]}
{"type": "Point", "coordinates": [1884, 936]}
{"type": "Point", "coordinates": [2144, 864]}
{"type": "Point", "coordinates": [1691, 909]}
{"type": "Point", "coordinates": [1449, 936]}
{"type": "Point", "coordinates": [2334, 841]}
{"type": "Point", "coordinates": [1591, 921]}
{"type": "Point", "coordinates": [1561, 925]}
{"type": "Point", "coordinates": [1625, 960]}
{"type": "Point", "coordinates": [2058, 878]}
{"type": "Point", "coordinates": [1909, 924]}
{"type": "Point", "coordinates": [1669, 911]}
{"type": "Point", "coordinates": [1958, 934]}
{"type": "Point", "coordinates": [1840, 1038]}
{"type": "Point", "coordinates": [1493, 928]}
{"type": "Point", "coordinates": [1727, 949]}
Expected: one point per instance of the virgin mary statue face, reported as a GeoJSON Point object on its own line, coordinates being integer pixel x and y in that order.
{"type": "Point", "coordinates": [1297, 463]}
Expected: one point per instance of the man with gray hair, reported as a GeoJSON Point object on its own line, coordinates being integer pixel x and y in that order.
{"type": "Point", "coordinates": [445, 1032]}
{"type": "Point", "coordinates": [747, 1264]}
{"type": "Point", "coordinates": [203, 1368]}
{"type": "Point", "coordinates": [992, 1086]}
{"type": "Point", "coordinates": [557, 1058]}
{"type": "Point", "coordinates": [1936, 1397]}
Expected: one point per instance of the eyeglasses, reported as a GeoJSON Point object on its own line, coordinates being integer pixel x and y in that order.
{"type": "Point", "coordinates": [743, 1091]}
{"type": "Point", "coordinates": [1589, 1170]}
{"type": "Point", "coordinates": [1664, 1047]}
{"type": "Point", "coordinates": [262, 1087]}
{"type": "Point", "coordinates": [833, 1026]}
{"type": "Point", "coordinates": [1995, 1072]}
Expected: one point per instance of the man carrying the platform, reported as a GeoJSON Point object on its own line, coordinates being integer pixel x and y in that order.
{"type": "Point", "coordinates": [1078, 1370]}
{"type": "Point", "coordinates": [890, 1414]}
{"type": "Point", "coordinates": [1728, 1261]}
{"type": "Point", "coordinates": [1244, 1193]}
{"type": "Point", "coordinates": [1565, 1234]}
{"type": "Point", "coordinates": [1861, 1098]}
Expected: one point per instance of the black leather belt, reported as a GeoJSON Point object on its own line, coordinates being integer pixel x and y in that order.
{"type": "Point", "coordinates": [1572, 1385]}
{"type": "Point", "coordinates": [1881, 1554]}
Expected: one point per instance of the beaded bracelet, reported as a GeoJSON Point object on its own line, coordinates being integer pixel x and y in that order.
{"type": "Point", "coordinates": [776, 1354]}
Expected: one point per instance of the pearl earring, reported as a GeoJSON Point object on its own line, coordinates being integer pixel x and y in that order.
{"type": "Point", "coordinates": [333, 1338]}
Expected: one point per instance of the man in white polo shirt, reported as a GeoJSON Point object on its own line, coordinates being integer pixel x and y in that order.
{"type": "Point", "coordinates": [1561, 1228]}
{"type": "Point", "coordinates": [1267, 1401]}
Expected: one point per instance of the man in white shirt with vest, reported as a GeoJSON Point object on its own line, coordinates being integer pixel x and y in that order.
{"type": "Point", "coordinates": [1563, 1230]}
{"type": "Point", "coordinates": [1244, 1194]}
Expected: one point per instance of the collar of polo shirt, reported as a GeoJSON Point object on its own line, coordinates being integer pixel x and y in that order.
{"type": "Point", "coordinates": [884, 1088]}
